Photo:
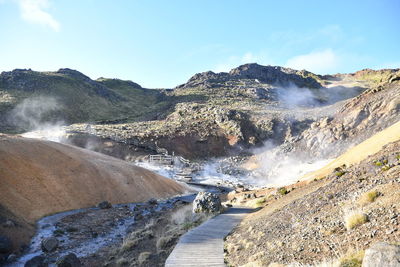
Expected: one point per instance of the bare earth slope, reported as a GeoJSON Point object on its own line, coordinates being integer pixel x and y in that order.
{"type": "Point", "coordinates": [335, 218]}
{"type": "Point", "coordinates": [41, 177]}
{"type": "Point", "coordinates": [360, 152]}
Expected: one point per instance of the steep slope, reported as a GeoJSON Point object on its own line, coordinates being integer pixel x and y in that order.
{"type": "Point", "coordinates": [40, 177]}
{"type": "Point", "coordinates": [358, 119]}
{"type": "Point", "coordinates": [360, 152]}
{"type": "Point", "coordinates": [331, 219]}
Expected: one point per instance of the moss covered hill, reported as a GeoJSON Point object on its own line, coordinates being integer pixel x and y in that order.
{"type": "Point", "coordinates": [224, 113]}
{"type": "Point", "coordinates": [69, 96]}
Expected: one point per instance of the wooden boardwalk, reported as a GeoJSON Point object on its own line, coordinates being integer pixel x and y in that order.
{"type": "Point", "coordinates": [204, 245]}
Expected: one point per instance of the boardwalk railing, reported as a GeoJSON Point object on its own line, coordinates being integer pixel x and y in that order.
{"type": "Point", "coordinates": [162, 159]}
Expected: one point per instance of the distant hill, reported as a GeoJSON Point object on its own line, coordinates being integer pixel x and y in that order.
{"type": "Point", "coordinates": [77, 98]}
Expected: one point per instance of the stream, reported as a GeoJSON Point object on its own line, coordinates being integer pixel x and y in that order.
{"type": "Point", "coordinates": [85, 245]}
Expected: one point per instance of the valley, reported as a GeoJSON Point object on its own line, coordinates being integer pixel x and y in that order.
{"type": "Point", "coordinates": [300, 147]}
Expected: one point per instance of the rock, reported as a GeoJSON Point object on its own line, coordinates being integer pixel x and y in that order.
{"type": "Point", "coordinates": [382, 254]}
{"type": "Point", "coordinates": [49, 244]}
{"type": "Point", "coordinates": [37, 261]}
{"type": "Point", "coordinates": [152, 201]}
{"type": "Point", "coordinates": [9, 223]}
{"type": "Point", "coordinates": [206, 202]}
{"type": "Point", "coordinates": [5, 244]}
{"type": "Point", "coordinates": [11, 258]}
{"type": "Point", "coordinates": [70, 260]}
{"type": "Point", "coordinates": [104, 205]}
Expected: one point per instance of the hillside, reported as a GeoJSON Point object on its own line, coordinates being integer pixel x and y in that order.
{"type": "Point", "coordinates": [68, 96]}
{"type": "Point", "coordinates": [39, 178]}
{"type": "Point", "coordinates": [226, 113]}
{"type": "Point", "coordinates": [330, 220]}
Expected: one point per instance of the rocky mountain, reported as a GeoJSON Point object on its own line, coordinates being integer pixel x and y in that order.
{"type": "Point", "coordinates": [227, 113]}
{"type": "Point", "coordinates": [273, 75]}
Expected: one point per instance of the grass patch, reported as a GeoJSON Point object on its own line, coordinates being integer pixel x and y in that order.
{"type": "Point", "coordinates": [353, 259]}
{"type": "Point", "coordinates": [282, 191]}
{"type": "Point", "coordinates": [256, 203]}
{"type": "Point", "coordinates": [368, 197]}
{"type": "Point", "coordinates": [340, 173]}
{"type": "Point", "coordinates": [354, 219]}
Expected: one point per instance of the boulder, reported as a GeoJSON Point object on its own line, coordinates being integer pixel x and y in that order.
{"type": "Point", "coordinates": [70, 260]}
{"type": "Point", "coordinates": [152, 201]}
{"type": "Point", "coordinates": [5, 244]}
{"type": "Point", "coordinates": [49, 244]}
{"type": "Point", "coordinates": [207, 202]}
{"type": "Point", "coordinates": [37, 261]}
{"type": "Point", "coordinates": [104, 205]}
{"type": "Point", "coordinates": [382, 254]}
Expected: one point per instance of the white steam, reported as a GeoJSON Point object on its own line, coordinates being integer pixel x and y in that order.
{"type": "Point", "coordinates": [277, 168]}
{"type": "Point", "coordinates": [36, 114]}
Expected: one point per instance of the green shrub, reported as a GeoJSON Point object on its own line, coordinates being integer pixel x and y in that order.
{"type": "Point", "coordinates": [282, 191]}
{"type": "Point", "coordinates": [340, 173]}
{"type": "Point", "coordinates": [378, 163]}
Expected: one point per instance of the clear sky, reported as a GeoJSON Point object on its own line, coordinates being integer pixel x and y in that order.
{"type": "Point", "coordinates": [163, 43]}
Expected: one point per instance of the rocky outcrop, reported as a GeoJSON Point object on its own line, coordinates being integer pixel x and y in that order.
{"type": "Point", "coordinates": [273, 75]}
{"type": "Point", "coordinates": [382, 254]}
{"type": "Point", "coordinates": [49, 244]}
{"type": "Point", "coordinates": [207, 202]}
{"type": "Point", "coordinates": [358, 119]}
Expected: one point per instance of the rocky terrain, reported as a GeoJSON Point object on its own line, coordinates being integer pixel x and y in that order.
{"type": "Point", "coordinates": [333, 218]}
{"type": "Point", "coordinates": [254, 104]}
{"type": "Point", "coordinates": [242, 123]}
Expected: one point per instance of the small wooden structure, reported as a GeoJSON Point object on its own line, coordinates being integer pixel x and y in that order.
{"type": "Point", "coordinates": [162, 159]}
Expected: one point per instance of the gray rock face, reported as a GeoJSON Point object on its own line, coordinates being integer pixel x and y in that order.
{"type": "Point", "coordinates": [70, 260]}
{"type": "Point", "coordinates": [104, 205]}
{"type": "Point", "coordinates": [382, 254]}
{"type": "Point", "coordinates": [49, 244]}
{"type": "Point", "coordinates": [37, 261]}
{"type": "Point", "coordinates": [5, 244]}
{"type": "Point", "coordinates": [264, 74]}
{"type": "Point", "coordinates": [206, 202]}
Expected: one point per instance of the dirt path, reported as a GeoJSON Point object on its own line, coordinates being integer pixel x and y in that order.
{"type": "Point", "coordinates": [204, 245]}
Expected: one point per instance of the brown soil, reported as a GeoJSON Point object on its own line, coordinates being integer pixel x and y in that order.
{"type": "Point", "coordinates": [39, 178]}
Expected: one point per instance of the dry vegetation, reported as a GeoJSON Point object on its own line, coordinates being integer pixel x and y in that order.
{"type": "Point", "coordinates": [151, 244]}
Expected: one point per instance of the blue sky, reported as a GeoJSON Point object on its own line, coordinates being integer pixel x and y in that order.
{"type": "Point", "coordinates": [163, 43]}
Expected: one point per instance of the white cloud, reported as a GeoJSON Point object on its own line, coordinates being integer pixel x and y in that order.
{"type": "Point", "coordinates": [321, 62]}
{"type": "Point", "coordinates": [33, 11]}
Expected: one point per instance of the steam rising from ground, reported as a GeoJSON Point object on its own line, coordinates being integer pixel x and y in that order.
{"type": "Point", "coordinates": [294, 97]}
{"type": "Point", "coordinates": [277, 169]}
{"type": "Point", "coordinates": [38, 115]}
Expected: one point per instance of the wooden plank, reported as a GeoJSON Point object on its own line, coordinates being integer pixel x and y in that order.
{"type": "Point", "coordinates": [204, 245]}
